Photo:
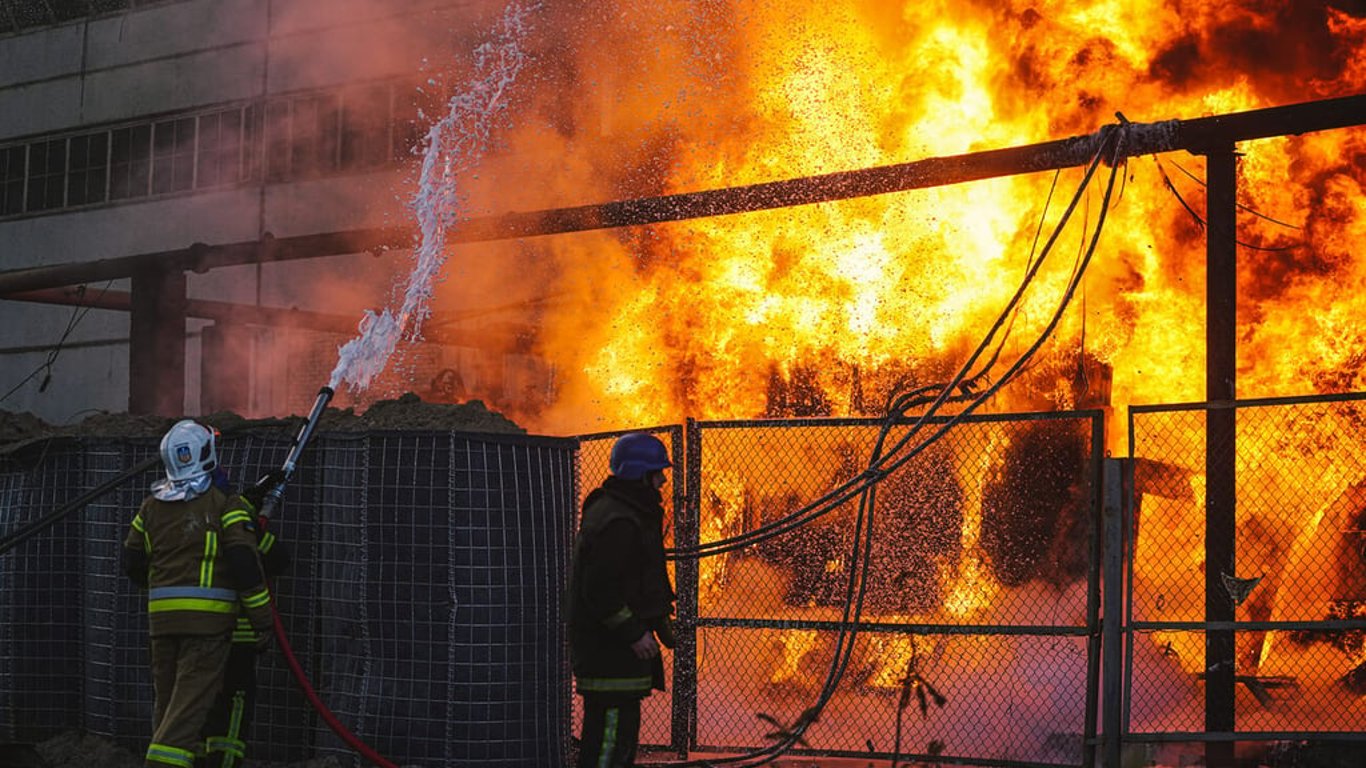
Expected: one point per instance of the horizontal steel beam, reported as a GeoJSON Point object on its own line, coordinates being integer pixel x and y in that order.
{"type": "Point", "coordinates": [503, 337]}
{"type": "Point", "coordinates": [1195, 135]}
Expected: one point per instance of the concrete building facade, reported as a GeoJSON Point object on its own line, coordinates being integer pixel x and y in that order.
{"type": "Point", "coordinates": [137, 136]}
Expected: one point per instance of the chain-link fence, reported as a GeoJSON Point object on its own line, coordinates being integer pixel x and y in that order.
{"type": "Point", "coordinates": [425, 596]}
{"type": "Point", "coordinates": [978, 590]}
{"type": "Point", "coordinates": [1269, 643]}
{"type": "Point", "coordinates": [424, 600]}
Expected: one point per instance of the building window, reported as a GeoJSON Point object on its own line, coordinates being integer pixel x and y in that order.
{"type": "Point", "coordinates": [46, 174]}
{"type": "Point", "coordinates": [130, 161]}
{"type": "Point", "coordinates": [12, 180]}
{"type": "Point", "coordinates": [277, 141]}
{"type": "Point", "coordinates": [220, 149]}
{"type": "Point", "coordinates": [89, 172]}
{"type": "Point", "coordinates": [173, 155]}
{"type": "Point", "coordinates": [313, 140]}
{"type": "Point", "coordinates": [365, 128]}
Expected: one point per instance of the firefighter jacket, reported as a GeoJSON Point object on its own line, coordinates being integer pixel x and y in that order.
{"type": "Point", "coordinates": [619, 589]}
{"type": "Point", "coordinates": [274, 560]}
{"type": "Point", "coordinates": [198, 560]}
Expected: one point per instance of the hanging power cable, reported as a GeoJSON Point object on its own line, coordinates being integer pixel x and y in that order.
{"type": "Point", "coordinates": [947, 393]}
{"type": "Point", "coordinates": [78, 314]}
{"type": "Point", "coordinates": [881, 464]}
{"type": "Point", "coordinates": [1200, 220]}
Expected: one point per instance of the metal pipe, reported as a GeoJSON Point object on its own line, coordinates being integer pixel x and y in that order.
{"type": "Point", "coordinates": [272, 499]}
{"type": "Point", "coordinates": [1144, 138]}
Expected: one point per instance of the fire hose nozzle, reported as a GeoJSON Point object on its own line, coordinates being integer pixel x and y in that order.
{"type": "Point", "coordinates": [272, 499]}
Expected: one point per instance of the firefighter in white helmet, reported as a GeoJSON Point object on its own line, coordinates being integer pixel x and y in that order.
{"type": "Point", "coordinates": [193, 546]}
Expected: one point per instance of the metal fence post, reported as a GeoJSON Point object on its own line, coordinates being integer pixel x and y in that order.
{"type": "Point", "coordinates": [687, 508]}
{"type": "Point", "coordinates": [1221, 273]}
{"type": "Point", "coordinates": [1112, 677]}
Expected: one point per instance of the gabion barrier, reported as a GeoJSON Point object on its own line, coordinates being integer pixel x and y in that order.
{"type": "Point", "coordinates": [424, 600]}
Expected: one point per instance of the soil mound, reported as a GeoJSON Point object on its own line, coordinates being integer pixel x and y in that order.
{"type": "Point", "coordinates": [407, 412]}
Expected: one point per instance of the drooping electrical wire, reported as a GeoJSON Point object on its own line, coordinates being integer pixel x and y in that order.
{"type": "Point", "coordinates": [948, 392]}
{"type": "Point", "coordinates": [866, 484]}
{"type": "Point", "coordinates": [1241, 206]}
{"type": "Point", "coordinates": [78, 314]}
{"type": "Point", "coordinates": [1200, 220]}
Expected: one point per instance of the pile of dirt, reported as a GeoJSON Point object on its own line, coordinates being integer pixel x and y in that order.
{"type": "Point", "coordinates": [407, 412]}
{"type": "Point", "coordinates": [411, 412]}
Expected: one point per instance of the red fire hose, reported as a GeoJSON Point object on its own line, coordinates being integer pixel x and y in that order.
{"type": "Point", "coordinates": [267, 507]}
{"type": "Point", "coordinates": [342, 732]}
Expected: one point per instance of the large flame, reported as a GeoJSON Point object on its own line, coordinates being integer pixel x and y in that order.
{"type": "Point", "coordinates": [689, 319]}
{"type": "Point", "coordinates": [846, 300]}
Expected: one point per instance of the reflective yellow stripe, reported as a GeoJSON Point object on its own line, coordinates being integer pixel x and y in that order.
{"type": "Point", "coordinates": [256, 599]}
{"type": "Point", "coordinates": [619, 618]}
{"type": "Point", "coordinates": [614, 683]}
{"type": "Point", "coordinates": [609, 737]}
{"type": "Point", "coordinates": [267, 541]}
{"type": "Point", "coordinates": [190, 604]}
{"type": "Point", "coordinates": [138, 525]}
{"type": "Point", "coordinates": [169, 755]}
{"type": "Point", "coordinates": [243, 632]}
{"type": "Point", "coordinates": [234, 517]}
{"type": "Point", "coordinates": [231, 745]}
{"type": "Point", "coordinates": [210, 553]}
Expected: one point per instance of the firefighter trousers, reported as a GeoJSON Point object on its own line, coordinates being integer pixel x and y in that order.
{"type": "Point", "coordinates": [225, 732]}
{"type": "Point", "coordinates": [187, 671]}
{"type": "Point", "coordinates": [611, 731]}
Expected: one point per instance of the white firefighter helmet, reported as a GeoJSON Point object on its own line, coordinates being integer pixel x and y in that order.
{"type": "Point", "coordinates": [189, 451]}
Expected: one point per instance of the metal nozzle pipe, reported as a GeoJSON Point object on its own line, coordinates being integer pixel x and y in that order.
{"type": "Point", "coordinates": [300, 442]}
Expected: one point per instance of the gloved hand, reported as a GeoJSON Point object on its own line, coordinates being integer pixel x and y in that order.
{"type": "Point", "coordinates": [258, 492]}
{"type": "Point", "coordinates": [664, 630]}
{"type": "Point", "coordinates": [645, 647]}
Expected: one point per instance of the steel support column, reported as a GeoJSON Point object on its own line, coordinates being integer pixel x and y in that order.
{"type": "Point", "coordinates": [1113, 614]}
{"type": "Point", "coordinates": [1221, 291]}
{"type": "Point", "coordinates": [156, 343]}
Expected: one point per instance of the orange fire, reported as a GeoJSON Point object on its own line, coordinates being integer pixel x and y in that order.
{"type": "Point", "coordinates": [689, 319]}
{"type": "Point", "coordinates": [697, 319]}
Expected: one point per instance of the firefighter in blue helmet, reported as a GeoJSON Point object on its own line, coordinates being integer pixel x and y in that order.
{"type": "Point", "coordinates": [192, 546]}
{"type": "Point", "coordinates": [621, 600]}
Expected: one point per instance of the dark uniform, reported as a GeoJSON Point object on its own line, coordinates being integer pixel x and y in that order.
{"type": "Point", "coordinates": [619, 590]}
{"type": "Point", "coordinates": [198, 560]}
{"type": "Point", "coordinates": [230, 719]}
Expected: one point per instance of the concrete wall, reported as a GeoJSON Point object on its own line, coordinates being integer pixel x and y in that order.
{"type": "Point", "coordinates": [196, 55]}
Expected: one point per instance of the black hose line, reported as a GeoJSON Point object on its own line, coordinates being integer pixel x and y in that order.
{"type": "Point", "coordinates": [835, 497]}
{"type": "Point", "coordinates": [28, 531]}
{"type": "Point", "coordinates": [36, 527]}
{"type": "Point", "coordinates": [880, 465]}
